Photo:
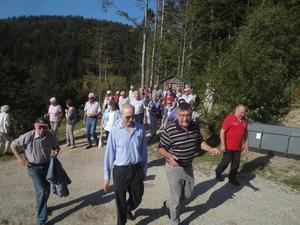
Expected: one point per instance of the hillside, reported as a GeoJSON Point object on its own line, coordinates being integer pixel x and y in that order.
{"type": "Point", "coordinates": [60, 56]}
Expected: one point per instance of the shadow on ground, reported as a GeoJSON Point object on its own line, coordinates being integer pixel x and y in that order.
{"type": "Point", "coordinates": [217, 198]}
{"type": "Point", "coordinates": [94, 199]}
{"type": "Point", "coordinates": [227, 191]}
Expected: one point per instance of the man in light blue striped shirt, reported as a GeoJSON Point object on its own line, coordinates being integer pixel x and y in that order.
{"type": "Point", "coordinates": [127, 150]}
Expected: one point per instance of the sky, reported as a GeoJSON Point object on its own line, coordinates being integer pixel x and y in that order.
{"type": "Point", "coordinates": [85, 8]}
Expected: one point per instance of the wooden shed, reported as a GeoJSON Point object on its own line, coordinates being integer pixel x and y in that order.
{"type": "Point", "coordinates": [173, 81]}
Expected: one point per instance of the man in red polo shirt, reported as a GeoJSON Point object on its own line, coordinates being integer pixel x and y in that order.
{"type": "Point", "coordinates": [233, 136]}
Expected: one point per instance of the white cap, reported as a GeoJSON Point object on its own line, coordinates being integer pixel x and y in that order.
{"type": "Point", "coordinates": [53, 99]}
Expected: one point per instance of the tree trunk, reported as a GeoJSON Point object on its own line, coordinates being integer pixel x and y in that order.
{"type": "Point", "coordinates": [100, 67]}
{"type": "Point", "coordinates": [184, 42]}
{"type": "Point", "coordinates": [105, 74]}
{"type": "Point", "coordinates": [160, 40]}
{"type": "Point", "coordinates": [144, 50]}
{"type": "Point", "coordinates": [184, 39]}
{"type": "Point", "coordinates": [154, 45]}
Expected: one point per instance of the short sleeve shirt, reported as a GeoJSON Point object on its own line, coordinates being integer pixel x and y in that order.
{"type": "Point", "coordinates": [183, 144]}
{"type": "Point", "coordinates": [91, 108]}
{"type": "Point", "coordinates": [54, 112]}
{"type": "Point", "coordinates": [37, 149]}
{"type": "Point", "coordinates": [234, 132]}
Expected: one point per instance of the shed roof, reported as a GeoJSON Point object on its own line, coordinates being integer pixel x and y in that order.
{"type": "Point", "coordinates": [186, 81]}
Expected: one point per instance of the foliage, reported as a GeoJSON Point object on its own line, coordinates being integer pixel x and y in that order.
{"type": "Point", "coordinates": [213, 122]}
{"type": "Point", "coordinates": [256, 70]}
{"type": "Point", "coordinates": [48, 56]}
{"type": "Point", "coordinates": [249, 50]}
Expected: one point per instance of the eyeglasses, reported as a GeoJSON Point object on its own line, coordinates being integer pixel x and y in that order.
{"type": "Point", "coordinates": [129, 117]}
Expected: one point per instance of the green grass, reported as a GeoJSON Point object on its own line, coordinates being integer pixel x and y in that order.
{"type": "Point", "coordinates": [293, 182]}
{"type": "Point", "coordinates": [207, 157]}
{"type": "Point", "coordinates": [61, 132]}
{"type": "Point", "coordinates": [7, 157]}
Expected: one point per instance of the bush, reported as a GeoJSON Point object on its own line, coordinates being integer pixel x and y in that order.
{"type": "Point", "coordinates": [257, 71]}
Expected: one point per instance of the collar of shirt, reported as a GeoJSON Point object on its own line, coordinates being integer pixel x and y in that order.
{"type": "Point", "coordinates": [45, 137]}
{"type": "Point", "coordinates": [36, 135]}
{"type": "Point", "coordinates": [120, 125]}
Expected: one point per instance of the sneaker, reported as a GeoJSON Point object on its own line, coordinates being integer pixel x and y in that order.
{"type": "Point", "coordinates": [167, 209]}
{"type": "Point", "coordinates": [72, 146]}
{"type": "Point", "coordinates": [68, 144]}
{"type": "Point", "coordinates": [235, 182]}
{"type": "Point", "coordinates": [88, 146]}
{"type": "Point", "coordinates": [130, 216]}
{"type": "Point", "coordinates": [219, 177]}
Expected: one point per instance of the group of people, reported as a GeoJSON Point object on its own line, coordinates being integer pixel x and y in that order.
{"type": "Point", "coordinates": [125, 161]}
{"type": "Point", "coordinates": [126, 157]}
{"type": "Point", "coordinates": [153, 107]}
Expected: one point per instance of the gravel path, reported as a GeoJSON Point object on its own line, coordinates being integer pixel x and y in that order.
{"type": "Point", "coordinates": [256, 201]}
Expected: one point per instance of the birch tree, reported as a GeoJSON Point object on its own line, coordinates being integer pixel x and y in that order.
{"type": "Point", "coordinates": [154, 44]}
{"type": "Point", "coordinates": [144, 49]}
{"type": "Point", "coordinates": [142, 4]}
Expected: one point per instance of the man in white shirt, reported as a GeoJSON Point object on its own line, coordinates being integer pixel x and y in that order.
{"type": "Point", "coordinates": [131, 92]}
{"type": "Point", "coordinates": [91, 113]}
{"type": "Point", "coordinates": [123, 99]}
{"type": "Point", "coordinates": [139, 108]}
{"type": "Point", "coordinates": [187, 95]}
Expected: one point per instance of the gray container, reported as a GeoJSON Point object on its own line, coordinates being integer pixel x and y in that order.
{"type": "Point", "coordinates": [274, 138]}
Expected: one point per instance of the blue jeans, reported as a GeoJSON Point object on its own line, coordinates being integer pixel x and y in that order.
{"type": "Point", "coordinates": [90, 127]}
{"type": "Point", "coordinates": [38, 175]}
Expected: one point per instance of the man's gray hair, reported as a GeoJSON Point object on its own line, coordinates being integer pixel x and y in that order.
{"type": "Point", "coordinates": [4, 108]}
{"type": "Point", "coordinates": [184, 106]}
{"type": "Point", "coordinates": [240, 106]}
{"type": "Point", "coordinates": [126, 106]}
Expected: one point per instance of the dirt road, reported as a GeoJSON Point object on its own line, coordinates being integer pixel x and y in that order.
{"type": "Point", "coordinates": [256, 201]}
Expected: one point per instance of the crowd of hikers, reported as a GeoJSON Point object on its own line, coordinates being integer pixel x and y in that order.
{"type": "Point", "coordinates": [154, 108]}
{"type": "Point", "coordinates": [125, 119]}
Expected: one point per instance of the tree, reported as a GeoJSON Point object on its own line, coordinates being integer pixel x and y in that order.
{"type": "Point", "coordinates": [256, 69]}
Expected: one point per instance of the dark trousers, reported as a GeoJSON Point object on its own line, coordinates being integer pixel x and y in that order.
{"type": "Point", "coordinates": [127, 179]}
{"type": "Point", "coordinates": [106, 134]}
{"type": "Point", "coordinates": [38, 175]}
{"type": "Point", "coordinates": [234, 158]}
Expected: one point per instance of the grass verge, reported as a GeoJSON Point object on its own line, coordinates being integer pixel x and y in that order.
{"type": "Point", "coordinates": [293, 182]}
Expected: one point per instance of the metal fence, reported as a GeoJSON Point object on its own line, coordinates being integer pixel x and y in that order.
{"type": "Point", "coordinates": [274, 138]}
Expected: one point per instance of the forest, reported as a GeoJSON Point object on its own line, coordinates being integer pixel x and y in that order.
{"type": "Point", "coordinates": [249, 51]}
